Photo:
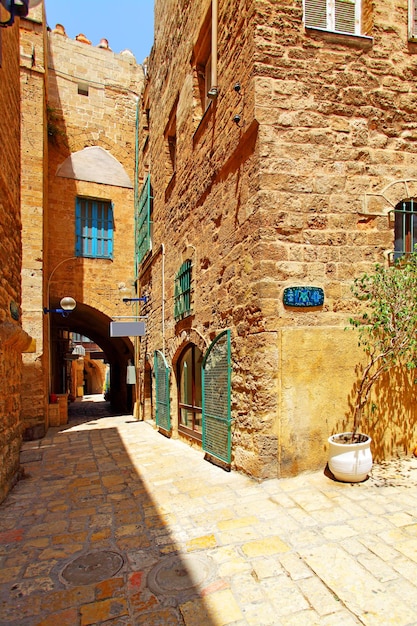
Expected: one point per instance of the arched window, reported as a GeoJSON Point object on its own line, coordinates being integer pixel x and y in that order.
{"type": "Point", "coordinates": [190, 391]}
{"type": "Point", "coordinates": [405, 227]}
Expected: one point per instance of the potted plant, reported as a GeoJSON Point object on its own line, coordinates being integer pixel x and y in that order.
{"type": "Point", "coordinates": [388, 335]}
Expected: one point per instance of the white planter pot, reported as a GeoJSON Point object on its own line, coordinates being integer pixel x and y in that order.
{"type": "Point", "coordinates": [350, 462]}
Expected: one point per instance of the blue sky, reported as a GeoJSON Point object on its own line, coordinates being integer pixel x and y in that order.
{"type": "Point", "coordinates": [124, 23]}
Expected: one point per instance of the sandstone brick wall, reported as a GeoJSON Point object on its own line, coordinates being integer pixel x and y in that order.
{"type": "Point", "coordinates": [12, 339]}
{"type": "Point", "coordinates": [296, 192]}
{"type": "Point", "coordinates": [105, 118]}
{"type": "Point", "coordinates": [58, 119]}
{"type": "Point", "coordinates": [33, 70]}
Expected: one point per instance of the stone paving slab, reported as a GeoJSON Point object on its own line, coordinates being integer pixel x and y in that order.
{"type": "Point", "coordinates": [152, 534]}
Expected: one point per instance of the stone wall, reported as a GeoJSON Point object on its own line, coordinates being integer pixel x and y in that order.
{"type": "Point", "coordinates": [296, 191]}
{"type": "Point", "coordinates": [33, 69]}
{"type": "Point", "coordinates": [12, 339]}
{"type": "Point", "coordinates": [74, 96]}
{"type": "Point", "coordinates": [106, 117]}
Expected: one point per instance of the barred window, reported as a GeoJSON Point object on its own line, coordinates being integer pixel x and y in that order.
{"type": "Point", "coordinates": [405, 227]}
{"type": "Point", "coordinates": [94, 228]}
{"type": "Point", "coordinates": [182, 291]}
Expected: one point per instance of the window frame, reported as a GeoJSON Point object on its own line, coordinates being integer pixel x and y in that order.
{"type": "Point", "coordinates": [193, 409]}
{"type": "Point", "coordinates": [328, 9]}
{"type": "Point", "coordinates": [102, 228]}
{"type": "Point", "coordinates": [405, 227]}
{"type": "Point", "coordinates": [183, 291]}
{"type": "Point", "coordinates": [412, 20]}
{"type": "Point", "coordinates": [201, 62]}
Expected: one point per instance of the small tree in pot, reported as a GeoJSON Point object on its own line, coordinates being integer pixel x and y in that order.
{"type": "Point", "coordinates": [388, 334]}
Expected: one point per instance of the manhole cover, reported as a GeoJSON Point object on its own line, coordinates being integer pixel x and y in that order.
{"type": "Point", "coordinates": [92, 568]}
{"type": "Point", "coordinates": [180, 573]}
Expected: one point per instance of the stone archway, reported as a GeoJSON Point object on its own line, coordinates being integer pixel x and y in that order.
{"type": "Point", "coordinates": [94, 324]}
{"type": "Point", "coordinates": [382, 202]}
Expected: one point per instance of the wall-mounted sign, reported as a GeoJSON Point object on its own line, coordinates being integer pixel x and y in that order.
{"type": "Point", "coordinates": [127, 329]}
{"type": "Point", "coordinates": [303, 296]}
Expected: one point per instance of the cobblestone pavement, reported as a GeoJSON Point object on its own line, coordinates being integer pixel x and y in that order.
{"type": "Point", "coordinates": [114, 524]}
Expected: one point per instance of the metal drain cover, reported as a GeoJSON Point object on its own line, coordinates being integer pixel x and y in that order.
{"type": "Point", "coordinates": [176, 574]}
{"type": "Point", "coordinates": [92, 568]}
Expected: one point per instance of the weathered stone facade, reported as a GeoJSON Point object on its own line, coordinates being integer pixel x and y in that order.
{"type": "Point", "coordinates": [13, 341]}
{"type": "Point", "coordinates": [288, 178]}
{"type": "Point", "coordinates": [79, 106]}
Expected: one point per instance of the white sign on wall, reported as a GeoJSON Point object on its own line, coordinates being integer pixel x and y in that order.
{"type": "Point", "coordinates": [127, 329]}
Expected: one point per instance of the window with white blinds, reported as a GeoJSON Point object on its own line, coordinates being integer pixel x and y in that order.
{"type": "Point", "coordinates": [342, 16]}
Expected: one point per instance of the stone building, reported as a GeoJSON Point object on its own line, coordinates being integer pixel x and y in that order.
{"type": "Point", "coordinates": [79, 128]}
{"type": "Point", "coordinates": [13, 340]}
{"type": "Point", "coordinates": [278, 151]}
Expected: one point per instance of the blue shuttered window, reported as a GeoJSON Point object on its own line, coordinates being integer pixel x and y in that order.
{"type": "Point", "coordinates": [143, 222]}
{"type": "Point", "coordinates": [94, 228]}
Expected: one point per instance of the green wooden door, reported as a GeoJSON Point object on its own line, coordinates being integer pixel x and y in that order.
{"type": "Point", "coordinates": [161, 368]}
{"type": "Point", "coordinates": [216, 382]}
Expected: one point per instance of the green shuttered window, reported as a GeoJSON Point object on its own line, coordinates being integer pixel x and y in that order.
{"type": "Point", "coordinates": [143, 222]}
{"type": "Point", "coordinates": [182, 291]}
{"type": "Point", "coordinates": [94, 228]}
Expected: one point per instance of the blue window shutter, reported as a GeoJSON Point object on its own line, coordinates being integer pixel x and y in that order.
{"type": "Point", "coordinates": [94, 228]}
{"type": "Point", "coordinates": [110, 230]}
{"type": "Point", "coordinates": [78, 251]}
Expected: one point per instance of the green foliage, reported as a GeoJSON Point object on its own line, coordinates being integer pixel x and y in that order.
{"type": "Point", "coordinates": [388, 325]}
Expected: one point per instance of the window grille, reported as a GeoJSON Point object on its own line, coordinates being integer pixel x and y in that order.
{"type": "Point", "coordinates": [342, 16]}
{"type": "Point", "coordinates": [405, 227]}
{"type": "Point", "coordinates": [182, 291]}
{"type": "Point", "coordinates": [143, 222]}
{"type": "Point", "coordinates": [94, 228]}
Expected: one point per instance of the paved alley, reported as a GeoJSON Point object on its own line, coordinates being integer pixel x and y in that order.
{"type": "Point", "coordinates": [114, 524]}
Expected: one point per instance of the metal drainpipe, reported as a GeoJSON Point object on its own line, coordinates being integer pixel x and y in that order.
{"type": "Point", "coordinates": [214, 36]}
{"type": "Point", "coordinates": [163, 298]}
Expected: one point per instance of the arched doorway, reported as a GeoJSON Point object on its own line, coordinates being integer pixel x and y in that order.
{"type": "Point", "coordinates": [189, 382]}
{"type": "Point", "coordinates": [90, 322]}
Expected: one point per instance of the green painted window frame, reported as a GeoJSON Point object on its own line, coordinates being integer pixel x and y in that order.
{"type": "Point", "coordinates": [183, 291]}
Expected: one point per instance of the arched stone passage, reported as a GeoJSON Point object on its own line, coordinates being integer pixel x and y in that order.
{"type": "Point", "coordinates": [94, 324]}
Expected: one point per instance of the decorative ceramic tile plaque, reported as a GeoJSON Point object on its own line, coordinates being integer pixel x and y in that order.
{"type": "Point", "coordinates": [303, 296]}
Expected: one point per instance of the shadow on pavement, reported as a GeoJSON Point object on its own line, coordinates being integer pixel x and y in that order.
{"type": "Point", "coordinates": [82, 541]}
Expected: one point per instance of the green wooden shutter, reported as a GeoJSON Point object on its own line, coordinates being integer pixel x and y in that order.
{"type": "Point", "coordinates": [161, 368]}
{"type": "Point", "coordinates": [216, 382]}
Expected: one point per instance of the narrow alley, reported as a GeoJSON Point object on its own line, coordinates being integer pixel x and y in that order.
{"type": "Point", "coordinates": [113, 523]}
